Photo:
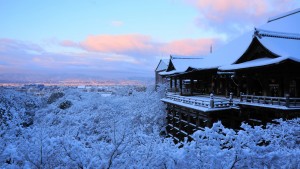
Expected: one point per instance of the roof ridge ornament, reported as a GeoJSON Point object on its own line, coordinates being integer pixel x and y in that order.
{"type": "Point", "coordinates": [265, 33]}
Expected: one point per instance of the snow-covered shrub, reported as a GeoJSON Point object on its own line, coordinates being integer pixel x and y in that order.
{"type": "Point", "coordinates": [65, 104]}
{"type": "Point", "coordinates": [54, 97]}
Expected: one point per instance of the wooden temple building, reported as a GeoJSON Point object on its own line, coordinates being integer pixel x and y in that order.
{"type": "Point", "coordinates": [161, 67]}
{"type": "Point", "coordinates": [254, 79]}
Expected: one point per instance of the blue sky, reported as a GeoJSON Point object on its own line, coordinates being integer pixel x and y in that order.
{"type": "Point", "coordinates": [77, 19]}
{"type": "Point", "coordinates": [118, 39]}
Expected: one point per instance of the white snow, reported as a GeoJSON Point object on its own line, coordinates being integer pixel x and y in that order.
{"type": "Point", "coordinates": [254, 63]}
{"type": "Point", "coordinates": [125, 132]}
{"type": "Point", "coordinates": [262, 32]}
{"type": "Point", "coordinates": [282, 47]}
{"type": "Point", "coordinates": [181, 64]}
{"type": "Point", "coordinates": [162, 65]}
{"type": "Point", "coordinates": [169, 72]}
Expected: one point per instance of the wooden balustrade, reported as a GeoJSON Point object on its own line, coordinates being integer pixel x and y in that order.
{"type": "Point", "coordinates": [207, 103]}
{"type": "Point", "coordinates": [211, 102]}
{"type": "Point", "coordinates": [278, 101]}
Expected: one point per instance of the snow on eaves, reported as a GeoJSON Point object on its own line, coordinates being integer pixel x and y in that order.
{"type": "Point", "coordinates": [183, 64]}
{"type": "Point", "coordinates": [165, 73]}
{"type": "Point", "coordinates": [224, 56]}
{"type": "Point", "coordinates": [253, 63]}
{"type": "Point", "coordinates": [285, 49]}
{"type": "Point", "coordinates": [282, 46]}
{"type": "Point", "coordinates": [227, 54]}
{"type": "Point", "coordinates": [264, 33]}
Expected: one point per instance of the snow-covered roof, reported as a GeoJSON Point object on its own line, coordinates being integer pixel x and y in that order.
{"type": "Point", "coordinates": [283, 48]}
{"type": "Point", "coordinates": [281, 36]}
{"type": "Point", "coordinates": [264, 33]}
{"type": "Point", "coordinates": [287, 22]}
{"type": "Point", "coordinates": [228, 54]}
{"type": "Point", "coordinates": [283, 15]}
{"type": "Point", "coordinates": [162, 65]}
{"type": "Point", "coordinates": [257, 63]}
{"type": "Point", "coordinates": [165, 73]}
{"type": "Point", "coordinates": [181, 64]}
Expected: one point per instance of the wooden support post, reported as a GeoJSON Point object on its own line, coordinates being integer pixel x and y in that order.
{"type": "Point", "coordinates": [180, 121]}
{"type": "Point", "coordinates": [208, 123]}
{"type": "Point", "coordinates": [171, 83]}
{"type": "Point", "coordinates": [180, 86]}
{"type": "Point", "coordinates": [192, 86]}
{"type": "Point", "coordinates": [287, 102]}
{"type": "Point", "coordinates": [197, 121]}
{"type": "Point", "coordinates": [173, 122]}
{"type": "Point", "coordinates": [175, 84]}
{"type": "Point", "coordinates": [211, 103]}
{"type": "Point", "coordinates": [241, 98]}
{"type": "Point", "coordinates": [231, 98]}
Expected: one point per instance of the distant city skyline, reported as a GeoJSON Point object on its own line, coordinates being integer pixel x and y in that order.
{"type": "Point", "coordinates": [94, 40]}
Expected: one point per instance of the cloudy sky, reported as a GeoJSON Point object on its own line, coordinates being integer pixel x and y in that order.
{"type": "Point", "coordinates": [113, 39]}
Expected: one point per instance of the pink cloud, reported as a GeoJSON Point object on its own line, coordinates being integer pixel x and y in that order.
{"type": "Point", "coordinates": [112, 55]}
{"type": "Point", "coordinates": [118, 43]}
{"type": "Point", "coordinates": [234, 17]}
{"type": "Point", "coordinates": [140, 46]}
{"type": "Point", "coordinates": [68, 43]}
{"type": "Point", "coordinates": [221, 10]}
{"type": "Point", "coordinates": [188, 47]}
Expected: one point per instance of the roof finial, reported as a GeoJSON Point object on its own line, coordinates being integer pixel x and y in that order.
{"type": "Point", "coordinates": [256, 33]}
{"type": "Point", "coordinates": [211, 48]}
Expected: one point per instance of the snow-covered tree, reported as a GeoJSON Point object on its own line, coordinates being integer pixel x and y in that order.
{"type": "Point", "coordinates": [124, 131]}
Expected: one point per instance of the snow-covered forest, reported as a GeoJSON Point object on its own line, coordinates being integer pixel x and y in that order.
{"type": "Point", "coordinates": [75, 129]}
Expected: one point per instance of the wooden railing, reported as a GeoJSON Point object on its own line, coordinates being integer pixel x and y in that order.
{"type": "Point", "coordinates": [278, 101]}
{"type": "Point", "coordinates": [211, 102]}
{"type": "Point", "coordinates": [207, 103]}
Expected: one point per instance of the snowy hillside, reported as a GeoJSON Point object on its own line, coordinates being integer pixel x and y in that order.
{"type": "Point", "coordinates": [75, 129]}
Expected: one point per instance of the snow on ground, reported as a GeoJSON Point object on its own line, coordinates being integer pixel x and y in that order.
{"type": "Point", "coordinates": [85, 130]}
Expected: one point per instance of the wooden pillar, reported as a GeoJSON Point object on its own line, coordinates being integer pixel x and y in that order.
{"type": "Point", "coordinates": [282, 87]}
{"type": "Point", "coordinates": [180, 86]}
{"type": "Point", "coordinates": [231, 99]}
{"type": "Point", "coordinates": [173, 120]}
{"type": "Point", "coordinates": [212, 84]}
{"type": "Point", "coordinates": [175, 84]}
{"type": "Point", "coordinates": [180, 121]}
{"type": "Point", "coordinates": [192, 86]}
{"type": "Point", "coordinates": [211, 102]}
{"type": "Point", "coordinates": [287, 98]}
{"type": "Point", "coordinates": [171, 83]}
{"type": "Point", "coordinates": [208, 123]}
